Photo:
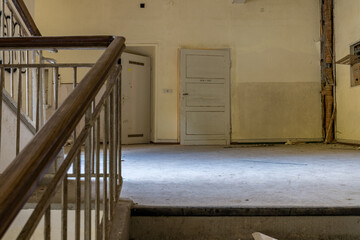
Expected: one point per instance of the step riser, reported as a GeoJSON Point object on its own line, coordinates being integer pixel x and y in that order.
{"type": "Point", "coordinates": [211, 228]}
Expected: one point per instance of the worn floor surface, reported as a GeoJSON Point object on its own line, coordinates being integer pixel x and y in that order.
{"type": "Point", "coordinates": [306, 175]}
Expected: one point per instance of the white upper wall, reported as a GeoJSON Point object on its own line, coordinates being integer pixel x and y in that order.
{"type": "Point", "coordinates": [275, 59]}
{"type": "Point", "coordinates": [347, 32]}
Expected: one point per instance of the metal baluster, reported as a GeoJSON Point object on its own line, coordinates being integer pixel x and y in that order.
{"type": "Point", "coordinates": [2, 22]}
{"type": "Point", "coordinates": [33, 87]}
{"type": "Point", "coordinates": [105, 204]}
{"type": "Point", "coordinates": [56, 87]}
{"type": "Point", "coordinates": [87, 213]}
{"type": "Point", "coordinates": [64, 199]}
{"type": "Point", "coordinates": [38, 99]}
{"type": "Point", "coordinates": [114, 141]}
{"type": "Point", "coordinates": [11, 55]}
{"type": "Point", "coordinates": [78, 193]}
{"type": "Point", "coordinates": [93, 144]}
{"type": "Point", "coordinates": [64, 213]}
{"type": "Point", "coordinates": [119, 126]}
{"type": "Point", "coordinates": [20, 62]}
{"type": "Point", "coordinates": [77, 169]}
{"type": "Point", "coordinates": [18, 112]}
{"type": "Point", "coordinates": [43, 97]}
{"type": "Point", "coordinates": [97, 183]}
{"type": "Point", "coordinates": [27, 88]}
{"type": "Point", "coordinates": [2, 77]}
{"type": "Point", "coordinates": [47, 222]}
{"type": "Point", "coordinates": [117, 182]}
{"type": "Point", "coordinates": [111, 153]}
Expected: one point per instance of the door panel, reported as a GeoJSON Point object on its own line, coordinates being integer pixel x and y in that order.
{"type": "Point", "coordinates": [135, 94]}
{"type": "Point", "coordinates": [205, 66]}
{"type": "Point", "coordinates": [205, 97]}
{"type": "Point", "coordinates": [197, 123]}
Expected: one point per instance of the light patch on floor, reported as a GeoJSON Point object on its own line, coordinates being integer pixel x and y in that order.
{"type": "Point", "coordinates": [242, 175]}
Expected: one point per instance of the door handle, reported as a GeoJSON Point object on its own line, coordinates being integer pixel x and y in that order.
{"type": "Point", "coordinates": [185, 94]}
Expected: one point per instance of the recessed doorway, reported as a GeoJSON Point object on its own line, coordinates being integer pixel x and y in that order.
{"type": "Point", "coordinates": [138, 101]}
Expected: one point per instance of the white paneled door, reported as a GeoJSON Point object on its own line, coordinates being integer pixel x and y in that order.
{"type": "Point", "coordinates": [135, 95]}
{"type": "Point", "coordinates": [205, 97]}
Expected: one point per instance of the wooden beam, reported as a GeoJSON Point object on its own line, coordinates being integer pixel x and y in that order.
{"type": "Point", "coordinates": [67, 42]}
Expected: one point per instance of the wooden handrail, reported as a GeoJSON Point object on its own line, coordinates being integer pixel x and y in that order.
{"type": "Point", "coordinates": [67, 42]}
{"type": "Point", "coordinates": [26, 17]}
{"type": "Point", "coordinates": [21, 177]}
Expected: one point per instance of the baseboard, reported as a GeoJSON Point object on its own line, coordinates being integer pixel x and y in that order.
{"type": "Point", "coordinates": [348, 141]}
{"type": "Point", "coordinates": [277, 140]}
{"type": "Point", "coordinates": [166, 141]}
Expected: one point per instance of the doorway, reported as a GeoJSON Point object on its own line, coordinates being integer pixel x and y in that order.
{"type": "Point", "coordinates": [148, 50]}
{"type": "Point", "coordinates": [204, 97]}
{"type": "Point", "coordinates": [135, 99]}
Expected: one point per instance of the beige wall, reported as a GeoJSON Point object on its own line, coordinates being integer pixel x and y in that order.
{"type": "Point", "coordinates": [8, 137]}
{"type": "Point", "coordinates": [275, 62]}
{"type": "Point", "coordinates": [30, 4]}
{"type": "Point", "coordinates": [347, 32]}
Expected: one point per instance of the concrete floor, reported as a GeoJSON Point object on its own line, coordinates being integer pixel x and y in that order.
{"type": "Point", "coordinates": [309, 175]}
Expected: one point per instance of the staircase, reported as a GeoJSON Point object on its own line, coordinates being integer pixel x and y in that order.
{"type": "Point", "coordinates": [59, 179]}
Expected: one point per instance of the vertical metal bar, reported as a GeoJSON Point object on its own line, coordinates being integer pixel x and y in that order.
{"type": "Point", "coordinates": [74, 135]}
{"type": "Point", "coordinates": [117, 182]}
{"type": "Point", "coordinates": [93, 143]}
{"type": "Point", "coordinates": [87, 213]}
{"type": "Point", "coordinates": [47, 224]}
{"type": "Point", "coordinates": [27, 88]}
{"type": "Point", "coordinates": [105, 202]}
{"type": "Point", "coordinates": [2, 22]}
{"type": "Point", "coordinates": [11, 32]}
{"type": "Point", "coordinates": [75, 77]}
{"type": "Point", "coordinates": [64, 211]}
{"type": "Point", "coordinates": [11, 57]}
{"type": "Point", "coordinates": [56, 87]}
{"type": "Point", "coordinates": [43, 98]}
{"type": "Point", "coordinates": [42, 107]}
{"type": "Point", "coordinates": [33, 86]}
{"type": "Point", "coordinates": [2, 77]}
{"type": "Point", "coordinates": [111, 153]}
{"type": "Point", "coordinates": [18, 112]}
{"type": "Point", "coordinates": [64, 196]}
{"type": "Point", "coordinates": [119, 126]}
{"type": "Point", "coordinates": [78, 193]}
{"type": "Point", "coordinates": [20, 62]}
{"type": "Point", "coordinates": [97, 181]}
{"type": "Point", "coordinates": [77, 169]}
{"type": "Point", "coordinates": [38, 99]}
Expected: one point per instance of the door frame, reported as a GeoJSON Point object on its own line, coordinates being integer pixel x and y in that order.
{"type": "Point", "coordinates": [179, 90]}
{"type": "Point", "coordinates": [153, 86]}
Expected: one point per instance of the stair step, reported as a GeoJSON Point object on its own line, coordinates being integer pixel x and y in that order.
{"type": "Point", "coordinates": [295, 223]}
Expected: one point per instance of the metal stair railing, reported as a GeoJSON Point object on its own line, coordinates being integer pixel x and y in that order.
{"type": "Point", "coordinates": [102, 177]}
{"type": "Point", "coordinates": [90, 189]}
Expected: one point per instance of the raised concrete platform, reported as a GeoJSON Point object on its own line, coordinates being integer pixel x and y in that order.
{"type": "Point", "coordinates": [303, 175]}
